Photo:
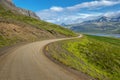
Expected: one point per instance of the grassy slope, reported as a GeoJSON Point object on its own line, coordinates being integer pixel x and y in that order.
{"type": "Point", "coordinates": [98, 57]}
{"type": "Point", "coordinates": [38, 23]}
{"type": "Point", "coordinates": [8, 17]}
{"type": "Point", "coordinates": [6, 42]}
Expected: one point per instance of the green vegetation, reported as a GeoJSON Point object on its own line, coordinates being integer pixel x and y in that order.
{"type": "Point", "coordinates": [49, 29]}
{"type": "Point", "coordinates": [118, 31]}
{"type": "Point", "coordinates": [7, 14]}
{"type": "Point", "coordinates": [96, 56]}
{"type": "Point", "coordinates": [7, 42]}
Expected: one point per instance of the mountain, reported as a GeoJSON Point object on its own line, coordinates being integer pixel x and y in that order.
{"type": "Point", "coordinates": [100, 25]}
{"type": "Point", "coordinates": [10, 6]}
{"type": "Point", "coordinates": [65, 25]}
{"type": "Point", "coordinates": [19, 25]}
{"type": "Point", "coordinates": [105, 19]}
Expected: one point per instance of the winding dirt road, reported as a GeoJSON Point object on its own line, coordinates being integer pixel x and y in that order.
{"type": "Point", "coordinates": [28, 62]}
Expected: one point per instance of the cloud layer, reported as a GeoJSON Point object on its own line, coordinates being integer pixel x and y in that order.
{"type": "Point", "coordinates": [77, 13]}
{"type": "Point", "coordinates": [94, 4]}
{"type": "Point", "coordinates": [112, 14]}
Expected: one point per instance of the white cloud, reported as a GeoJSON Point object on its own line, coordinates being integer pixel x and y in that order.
{"type": "Point", "coordinates": [55, 8]}
{"type": "Point", "coordinates": [74, 14]}
{"type": "Point", "coordinates": [112, 14]}
{"type": "Point", "coordinates": [94, 4]}
{"type": "Point", "coordinates": [67, 18]}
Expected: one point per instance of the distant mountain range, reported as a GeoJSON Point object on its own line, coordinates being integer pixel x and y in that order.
{"type": "Point", "coordinates": [105, 19]}
{"type": "Point", "coordinates": [102, 24]}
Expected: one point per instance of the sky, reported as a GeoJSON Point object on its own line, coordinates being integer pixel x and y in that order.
{"type": "Point", "coordinates": [70, 11]}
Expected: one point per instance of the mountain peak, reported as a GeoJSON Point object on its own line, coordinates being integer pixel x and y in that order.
{"type": "Point", "coordinates": [103, 19]}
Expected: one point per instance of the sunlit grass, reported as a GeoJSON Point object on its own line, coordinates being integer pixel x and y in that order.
{"type": "Point", "coordinates": [96, 56]}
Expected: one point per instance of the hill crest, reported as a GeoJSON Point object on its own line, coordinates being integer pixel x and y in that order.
{"type": "Point", "coordinates": [8, 4]}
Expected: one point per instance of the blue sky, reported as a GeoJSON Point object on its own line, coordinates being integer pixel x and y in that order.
{"type": "Point", "coordinates": [37, 5]}
{"type": "Point", "coordinates": [70, 11]}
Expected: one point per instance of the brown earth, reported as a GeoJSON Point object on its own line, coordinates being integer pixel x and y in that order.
{"type": "Point", "coordinates": [25, 33]}
{"type": "Point", "coordinates": [14, 33]}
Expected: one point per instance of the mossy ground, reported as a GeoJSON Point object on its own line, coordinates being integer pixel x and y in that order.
{"type": "Point", "coordinates": [96, 56]}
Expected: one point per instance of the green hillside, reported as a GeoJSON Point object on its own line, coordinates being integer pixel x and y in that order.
{"type": "Point", "coordinates": [27, 28]}
{"type": "Point", "coordinates": [96, 56]}
{"type": "Point", "coordinates": [6, 14]}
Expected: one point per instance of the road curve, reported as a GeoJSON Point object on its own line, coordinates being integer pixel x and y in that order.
{"type": "Point", "coordinates": [28, 62]}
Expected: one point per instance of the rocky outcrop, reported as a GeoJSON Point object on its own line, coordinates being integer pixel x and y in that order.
{"type": "Point", "coordinates": [10, 6]}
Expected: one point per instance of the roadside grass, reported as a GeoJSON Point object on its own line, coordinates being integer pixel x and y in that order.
{"type": "Point", "coordinates": [7, 42]}
{"type": "Point", "coordinates": [96, 56]}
